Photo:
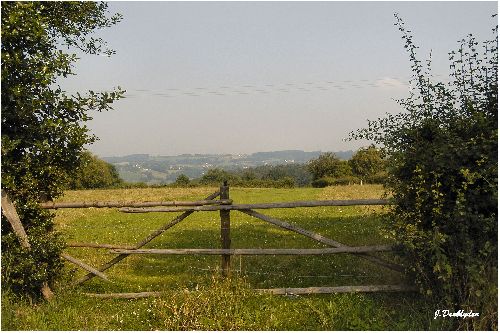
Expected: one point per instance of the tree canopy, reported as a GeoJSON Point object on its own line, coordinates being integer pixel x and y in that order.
{"type": "Point", "coordinates": [328, 164]}
{"type": "Point", "coordinates": [94, 173]}
{"type": "Point", "coordinates": [367, 163]}
{"type": "Point", "coordinates": [43, 128]}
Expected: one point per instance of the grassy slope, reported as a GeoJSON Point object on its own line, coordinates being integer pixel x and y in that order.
{"type": "Point", "coordinates": [218, 304]}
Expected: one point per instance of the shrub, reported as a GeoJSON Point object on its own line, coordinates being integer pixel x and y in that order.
{"type": "Point", "coordinates": [24, 271]}
{"type": "Point", "coordinates": [328, 165]}
{"type": "Point", "coordinates": [378, 178]}
{"type": "Point", "coordinates": [94, 173]}
{"type": "Point", "coordinates": [286, 182]}
{"type": "Point", "coordinates": [331, 181]}
{"type": "Point", "coordinates": [346, 180]}
{"type": "Point", "coordinates": [443, 153]}
{"type": "Point", "coordinates": [320, 183]}
{"type": "Point", "coordinates": [217, 176]}
{"type": "Point", "coordinates": [43, 131]}
{"type": "Point", "coordinates": [367, 163]}
{"type": "Point", "coordinates": [182, 181]}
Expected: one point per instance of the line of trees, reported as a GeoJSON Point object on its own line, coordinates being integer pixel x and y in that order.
{"type": "Point", "coordinates": [366, 166]}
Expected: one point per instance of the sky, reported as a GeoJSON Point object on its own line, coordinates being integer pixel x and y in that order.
{"type": "Point", "coordinates": [243, 77]}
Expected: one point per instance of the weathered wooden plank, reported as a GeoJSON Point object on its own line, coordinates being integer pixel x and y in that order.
{"type": "Point", "coordinates": [118, 204]}
{"type": "Point", "coordinates": [318, 238]}
{"type": "Point", "coordinates": [281, 291]}
{"type": "Point", "coordinates": [127, 295]}
{"type": "Point", "coordinates": [148, 239]}
{"type": "Point", "coordinates": [292, 204]}
{"type": "Point", "coordinates": [340, 289]}
{"type": "Point", "coordinates": [9, 211]}
{"type": "Point", "coordinates": [84, 266]}
{"type": "Point", "coordinates": [348, 249]}
{"type": "Point", "coordinates": [225, 232]}
{"type": "Point", "coordinates": [100, 246]}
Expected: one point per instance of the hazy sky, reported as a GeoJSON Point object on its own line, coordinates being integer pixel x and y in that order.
{"type": "Point", "coordinates": [241, 77]}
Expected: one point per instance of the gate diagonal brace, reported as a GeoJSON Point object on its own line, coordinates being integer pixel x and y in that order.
{"type": "Point", "coordinates": [319, 238]}
{"type": "Point", "coordinates": [145, 241]}
{"type": "Point", "coordinates": [10, 213]}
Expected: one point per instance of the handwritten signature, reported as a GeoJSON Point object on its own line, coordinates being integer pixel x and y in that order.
{"type": "Point", "coordinates": [460, 313]}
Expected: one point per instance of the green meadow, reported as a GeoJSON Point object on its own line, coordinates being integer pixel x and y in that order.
{"type": "Point", "coordinates": [195, 297]}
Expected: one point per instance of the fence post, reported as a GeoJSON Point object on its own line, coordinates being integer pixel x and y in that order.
{"type": "Point", "coordinates": [225, 225]}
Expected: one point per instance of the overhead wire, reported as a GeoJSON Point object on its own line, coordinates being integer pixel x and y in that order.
{"type": "Point", "coordinates": [269, 88]}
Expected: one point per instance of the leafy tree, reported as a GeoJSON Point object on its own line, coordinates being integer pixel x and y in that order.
{"type": "Point", "coordinates": [182, 181]}
{"type": "Point", "coordinates": [216, 176]}
{"type": "Point", "coordinates": [297, 172]}
{"type": "Point", "coordinates": [43, 131]}
{"type": "Point", "coordinates": [328, 164]}
{"type": "Point", "coordinates": [269, 174]}
{"type": "Point", "coordinates": [248, 175]}
{"type": "Point", "coordinates": [367, 163]}
{"type": "Point", "coordinates": [94, 173]}
{"type": "Point", "coordinates": [443, 154]}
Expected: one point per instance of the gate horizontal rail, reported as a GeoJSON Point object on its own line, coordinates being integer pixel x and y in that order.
{"type": "Point", "coordinates": [340, 289]}
{"type": "Point", "coordinates": [350, 249]}
{"type": "Point", "coordinates": [118, 204]}
{"type": "Point", "coordinates": [293, 204]}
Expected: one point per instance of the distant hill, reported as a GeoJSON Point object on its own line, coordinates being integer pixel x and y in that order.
{"type": "Point", "coordinates": [165, 169]}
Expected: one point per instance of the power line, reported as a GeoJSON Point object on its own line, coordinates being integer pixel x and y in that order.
{"type": "Point", "coordinates": [248, 89]}
{"type": "Point", "coordinates": [272, 88]}
{"type": "Point", "coordinates": [269, 88]}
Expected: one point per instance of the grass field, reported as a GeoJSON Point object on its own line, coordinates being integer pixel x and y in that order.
{"type": "Point", "coordinates": [195, 297]}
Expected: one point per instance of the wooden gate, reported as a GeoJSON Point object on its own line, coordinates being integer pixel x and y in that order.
{"type": "Point", "coordinates": [225, 205]}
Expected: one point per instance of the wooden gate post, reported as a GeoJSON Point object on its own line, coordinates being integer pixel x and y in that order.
{"type": "Point", "coordinates": [225, 225]}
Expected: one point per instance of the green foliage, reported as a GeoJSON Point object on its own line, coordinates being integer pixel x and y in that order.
{"type": "Point", "coordinates": [274, 174]}
{"type": "Point", "coordinates": [368, 164]}
{"type": "Point", "coordinates": [329, 170]}
{"type": "Point", "coordinates": [94, 173]}
{"type": "Point", "coordinates": [330, 181]}
{"type": "Point", "coordinates": [328, 164]}
{"type": "Point", "coordinates": [24, 271]}
{"type": "Point", "coordinates": [280, 176]}
{"type": "Point", "coordinates": [322, 182]}
{"type": "Point", "coordinates": [297, 172]}
{"type": "Point", "coordinates": [216, 176]}
{"type": "Point", "coordinates": [182, 181]}
{"type": "Point", "coordinates": [42, 127]}
{"type": "Point", "coordinates": [443, 153]}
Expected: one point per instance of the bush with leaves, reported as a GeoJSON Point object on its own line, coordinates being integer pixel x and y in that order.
{"type": "Point", "coordinates": [368, 165]}
{"type": "Point", "coordinates": [182, 181]}
{"type": "Point", "coordinates": [443, 153]}
{"type": "Point", "coordinates": [276, 173]}
{"type": "Point", "coordinates": [94, 173]}
{"type": "Point", "coordinates": [216, 176]}
{"type": "Point", "coordinates": [43, 131]}
{"type": "Point", "coordinates": [328, 165]}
